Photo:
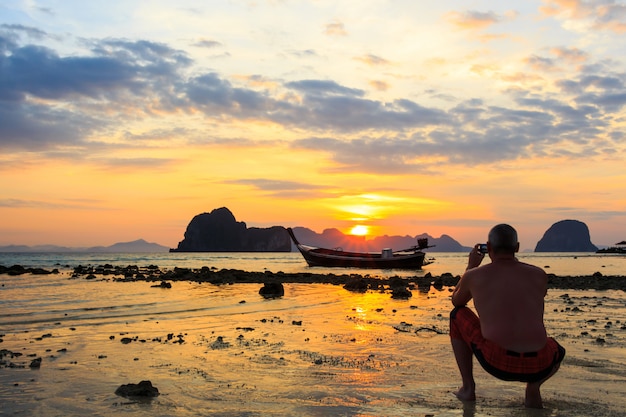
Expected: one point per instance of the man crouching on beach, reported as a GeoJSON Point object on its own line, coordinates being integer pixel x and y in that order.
{"type": "Point", "coordinates": [508, 337]}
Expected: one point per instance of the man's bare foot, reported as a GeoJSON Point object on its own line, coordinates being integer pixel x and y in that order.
{"type": "Point", "coordinates": [466, 394]}
{"type": "Point", "coordinates": [533, 404]}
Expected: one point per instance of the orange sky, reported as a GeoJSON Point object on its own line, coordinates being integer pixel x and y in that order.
{"type": "Point", "coordinates": [126, 122]}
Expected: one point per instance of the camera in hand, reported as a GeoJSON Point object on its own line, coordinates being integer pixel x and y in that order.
{"type": "Point", "coordinates": [482, 248]}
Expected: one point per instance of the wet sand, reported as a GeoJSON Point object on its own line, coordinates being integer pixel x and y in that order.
{"type": "Point", "coordinates": [318, 350]}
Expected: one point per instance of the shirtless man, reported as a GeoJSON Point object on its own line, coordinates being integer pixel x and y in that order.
{"type": "Point", "coordinates": [508, 336]}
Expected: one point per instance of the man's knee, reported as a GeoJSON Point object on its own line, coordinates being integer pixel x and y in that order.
{"type": "Point", "coordinates": [454, 312]}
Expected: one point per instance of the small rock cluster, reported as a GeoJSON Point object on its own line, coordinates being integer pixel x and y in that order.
{"type": "Point", "coordinates": [20, 270]}
{"type": "Point", "coordinates": [142, 389]}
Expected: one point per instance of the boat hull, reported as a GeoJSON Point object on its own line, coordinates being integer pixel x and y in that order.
{"type": "Point", "coordinates": [338, 258]}
{"type": "Point", "coordinates": [409, 261]}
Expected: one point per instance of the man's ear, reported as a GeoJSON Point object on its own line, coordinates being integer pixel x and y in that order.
{"type": "Point", "coordinates": [517, 247]}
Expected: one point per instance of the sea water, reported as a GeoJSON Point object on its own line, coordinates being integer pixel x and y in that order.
{"type": "Point", "coordinates": [563, 264]}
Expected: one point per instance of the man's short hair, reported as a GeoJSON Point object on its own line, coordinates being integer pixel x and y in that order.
{"type": "Point", "coordinates": [503, 238]}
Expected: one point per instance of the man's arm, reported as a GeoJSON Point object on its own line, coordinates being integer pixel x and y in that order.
{"type": "Point", "coordinates": [461, 294]}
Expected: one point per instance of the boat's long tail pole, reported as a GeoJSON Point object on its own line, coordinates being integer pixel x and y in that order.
{"type": "Point", "coordinates": [293, 237]}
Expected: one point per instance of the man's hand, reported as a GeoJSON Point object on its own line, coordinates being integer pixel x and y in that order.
{"type": "Point", "coordinates": [475, 258]}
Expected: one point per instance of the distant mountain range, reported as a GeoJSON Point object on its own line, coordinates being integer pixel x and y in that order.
{"type": "Point", "coordinates": [136, 246]}
{"type": "Point", "coordinates": [328, 238]}
{"type": "Point", "coordinates": [331, 238]}
{"type": "Point", "coordinates": [218, 231]}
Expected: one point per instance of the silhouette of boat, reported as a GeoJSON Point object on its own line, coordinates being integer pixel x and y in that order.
{"type": "Point", "coordinates": [410, 258]}
{"type": "Point", "coordinates": [620, 247]}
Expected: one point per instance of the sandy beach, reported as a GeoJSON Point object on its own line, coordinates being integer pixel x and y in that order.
{"type": "Point", "coordinates": [221, 349]}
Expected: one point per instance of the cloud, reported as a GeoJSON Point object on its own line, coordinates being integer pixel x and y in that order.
{"type": "Point", "coordinates": [47, 99]}
{"type": "Point", "coordinates": [217, 97]}
{"type": "Point", "coordinates": [47, 205]}
{"type": "Point", "coordinates": [379, 85]}
{"type": "Point", "coordinates": [36, 127]}
{"type": "Point", "coordinates": [573, 123]}
{"type": "Point", "coordinates": [303, 53]}
{"type": "Point", "coordinates": [382, 155]}
{"type": "Point", "coordinates": [372, 60]}
{"type": "Point", "coordinates": [584, 213]}
{"type": "Point", "coordinates": [570, 55]}
{"type": "Point", "coordinates": [607, 15]}
{"type": "Point", "coordinates": [259, 81]}
{"type": "Point", "coordinates": [207, 43]}
{"type": "Point", "coordinates": [281, 188]}
{"type": "Point", "coordinates": [323, 88]}
{"type": "Point", "coordinates": [134, 163]}
{"type": "Point", "coordinates": [540, 64]}
{"type": "Point", "coordinates": [17, 30]}
{"type": "Point", "coordinates": [473, 20]}
{"type": "Point", "coordinates": [606, 93]}
{"type": "Point", "coordinates": [116, 65]}
{"type": "Point", "coordinates": [40, 72]}
{"type": "Point", "coordinates": [478, 23]}
{"type": "Point", "coordinates": [274, 185]}
{"type": "Point", "coordinates": [335, 29]}
{"type": "Point", "coordinates": [50, 101]}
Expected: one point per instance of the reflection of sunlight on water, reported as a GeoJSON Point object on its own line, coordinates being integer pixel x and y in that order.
{"type": "Point", "coordinates": [360, 320]}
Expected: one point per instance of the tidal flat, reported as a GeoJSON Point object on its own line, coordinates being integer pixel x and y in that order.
{"type": "Point", "coordinates": [222, 349]}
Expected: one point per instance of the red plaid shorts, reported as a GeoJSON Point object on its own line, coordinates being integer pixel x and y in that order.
{"type": "Point", "coordinates": [499, 362]}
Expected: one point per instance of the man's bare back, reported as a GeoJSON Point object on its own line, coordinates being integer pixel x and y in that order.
{"type": "Point", "coordinates": [509, 299]}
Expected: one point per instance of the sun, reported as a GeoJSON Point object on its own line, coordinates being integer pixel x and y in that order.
{"type": "Point", "coordinates": [359, 230]}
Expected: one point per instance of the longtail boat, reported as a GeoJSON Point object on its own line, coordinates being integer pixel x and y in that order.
{"type": "Point", "coordinates": [410, 258]}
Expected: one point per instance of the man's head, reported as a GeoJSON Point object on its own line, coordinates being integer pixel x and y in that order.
{"type": "Point", "coordinates": [503, 239]}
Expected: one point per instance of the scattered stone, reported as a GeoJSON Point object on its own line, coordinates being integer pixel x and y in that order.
{"type": "Point", "coordinates": [142, 389]}
{"type": "Point", "coordinates": [351, 282]}
{"type": "Point", "coordinates": [357, 285]}
{"type": "Point", "coordinates": [272, 290]}
{"type": "Point", "coordinates": [20, 270]}
{"type": "Point", "coordinates": [431, 329]}
{"type": "Point", "coordinates": [404, 327]}
{"type": "Point", "coordinates": [401, 293]}
{"type": "Point", "coordinates": [35, 363]}
{"type": "Point", "coordinates": [219, 343]}
{"type": "Point", "coordinates": [397, 282]}
{"type": "Point", "coordinates": [246, 329]}
{"type": "Point", "coordinates": [163, 284]}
